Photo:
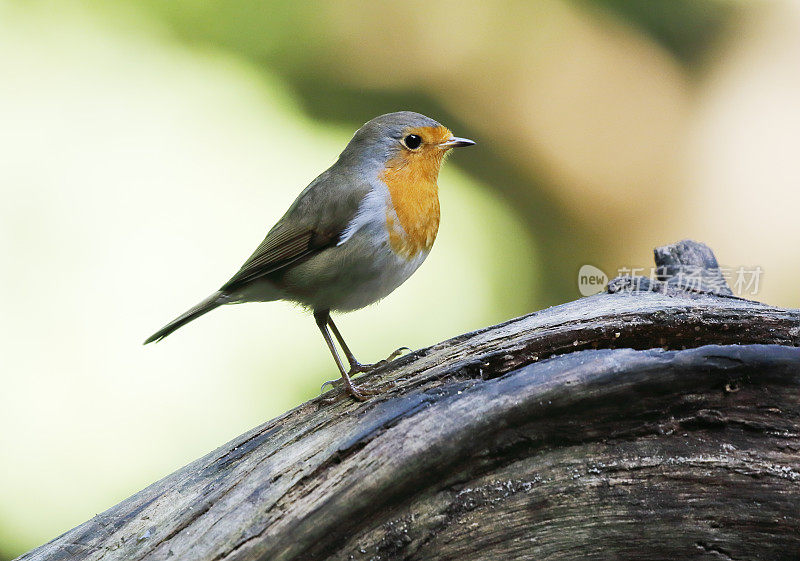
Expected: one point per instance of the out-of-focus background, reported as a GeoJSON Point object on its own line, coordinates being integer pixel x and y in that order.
{"type": "Point", "coordinates": [147, 146]}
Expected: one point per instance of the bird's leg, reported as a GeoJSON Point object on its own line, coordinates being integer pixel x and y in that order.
{"type": "Point", "coordinates": [322, 318]}
{"type": "Point", "coordinates": [356, 366]}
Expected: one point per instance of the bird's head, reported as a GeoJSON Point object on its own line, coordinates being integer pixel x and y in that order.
{"type": "Point", "coordinates": [403, 142]}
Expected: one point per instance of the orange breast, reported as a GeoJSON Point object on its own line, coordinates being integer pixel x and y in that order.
{"type": "Point", "coordinates": [412, 181]}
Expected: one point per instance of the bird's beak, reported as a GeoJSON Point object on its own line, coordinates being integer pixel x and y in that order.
{"type": "Point", "coordinates": [455, 142]}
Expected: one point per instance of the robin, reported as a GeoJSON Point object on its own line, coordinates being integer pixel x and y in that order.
{"type": "Point", "coordinates": [356, 233]}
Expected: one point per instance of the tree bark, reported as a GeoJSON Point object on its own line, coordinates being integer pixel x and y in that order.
{"type": "Point", "coordinates": [660, 419]}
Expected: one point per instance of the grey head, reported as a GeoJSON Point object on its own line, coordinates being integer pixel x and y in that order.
{"type": "Point", "coordinates": [377, 140]}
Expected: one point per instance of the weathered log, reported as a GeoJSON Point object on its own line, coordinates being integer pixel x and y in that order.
{"type": "Point", "coordinates": [648, 422]}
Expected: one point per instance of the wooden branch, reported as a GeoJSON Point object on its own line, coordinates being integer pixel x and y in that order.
{"type": "Point", "coordinates": [656, 420]}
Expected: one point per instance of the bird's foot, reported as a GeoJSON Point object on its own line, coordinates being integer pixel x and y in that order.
{"type": "Point", "coordinates": [357, 391]}
{"type": "Point", "coordinates": [358, 368]}
{"type": "Point", "coordinates": [361, 392]}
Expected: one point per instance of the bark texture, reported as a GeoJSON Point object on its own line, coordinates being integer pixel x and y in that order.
{"type": "Point", "coordinates": [660, 419]}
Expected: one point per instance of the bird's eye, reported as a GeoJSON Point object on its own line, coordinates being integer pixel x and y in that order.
{"type": "Point", "coordinates": [412, 141]}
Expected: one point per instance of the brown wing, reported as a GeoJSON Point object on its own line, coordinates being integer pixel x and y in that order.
{"type": "Point", "coordinates": [314, 222]}
{"type": "Point", "coordinates": [282, 247]}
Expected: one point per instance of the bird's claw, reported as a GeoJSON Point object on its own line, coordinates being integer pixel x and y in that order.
{"type": "Point", "coordinates": [332, 383]}
{"type": "Point", "coordinates": [358, 368]}
{"type": "Point", "coordinates": [361, 392]}
{"type": "Point", "coordinates": [396, 353]}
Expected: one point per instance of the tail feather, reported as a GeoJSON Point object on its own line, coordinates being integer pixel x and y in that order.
{"type": "Point", "coordinates": [215, 300]}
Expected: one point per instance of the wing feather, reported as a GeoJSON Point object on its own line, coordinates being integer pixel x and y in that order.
{"type": "Point", "coordinates": [278, 250]}
{"type": "Point", "coordinates": [314, 222]}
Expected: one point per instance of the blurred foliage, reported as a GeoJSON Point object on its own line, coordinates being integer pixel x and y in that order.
{"type": "Point", "coordinates": [688, 28]}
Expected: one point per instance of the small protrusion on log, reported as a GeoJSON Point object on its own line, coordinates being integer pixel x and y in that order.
{"type": "Point", "coordinates": [690, 265]}
{"type": "Point", "coordinates": [686, 266]}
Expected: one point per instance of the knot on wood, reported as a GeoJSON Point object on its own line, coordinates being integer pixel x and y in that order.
{"type": "Point", "coordinates": [685, 266]}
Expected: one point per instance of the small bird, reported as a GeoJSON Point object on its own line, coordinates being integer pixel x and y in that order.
{"type": "Point", "coordinates": [356, 233]}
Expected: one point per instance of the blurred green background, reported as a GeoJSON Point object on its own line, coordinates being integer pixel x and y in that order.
{"type": "Point", "coordinates": [146, 147]}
